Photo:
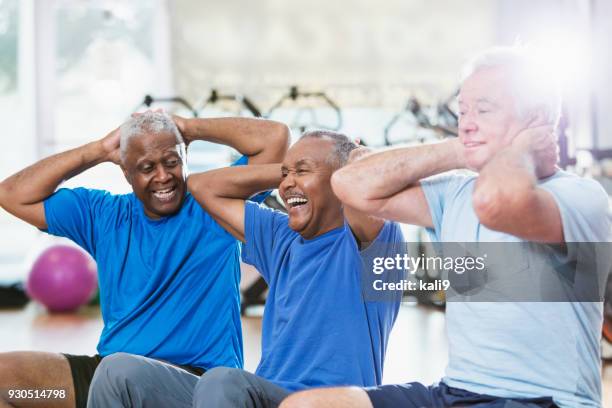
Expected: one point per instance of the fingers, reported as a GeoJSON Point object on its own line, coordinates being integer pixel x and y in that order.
{"type": "Point", "coordinates": [158, 110]}
{"type": "Point", "coordinates": [539, 119]}
{"type": "Point", "coordinates": [537, 138]}
{"type": "Point", "coordinates": [546, 156]}
{"type": "Point", "coordinates": [358, 153]}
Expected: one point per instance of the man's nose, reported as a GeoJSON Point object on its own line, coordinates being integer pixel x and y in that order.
{"type": "Point", "coordinates": [467, 123]}
{"type": "Point", "coordinates": [161, 174]}
{"type": "Point", "coordinates": [287, 182]}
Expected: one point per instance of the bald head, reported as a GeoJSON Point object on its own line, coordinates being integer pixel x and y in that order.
{"type": "Point", "coordinates": [341, 148]}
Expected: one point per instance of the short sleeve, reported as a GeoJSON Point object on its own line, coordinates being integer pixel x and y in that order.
{"type": "Point", "coordinates": [585, 215]}
{"type": "Point", "coordinates": [437, 189]}
{"type": "Point", "coordinates": [388, 244]}
{"type": "Point", "coordinates": [584, 208]}
{"type": "Point", "coordinates": [242, 161]}
{"type": "Point", "coordinates": [72, 213]}
{"type": "Point", "coordinates": [266, 231]}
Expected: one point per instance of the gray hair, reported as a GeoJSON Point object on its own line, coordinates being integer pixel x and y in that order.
{"type": "Point", "coordinates": [146, 123]}
{"type": "Point", "coordinates": [342, 145]}
{"type": "Point", "coordinates": [532, 88]}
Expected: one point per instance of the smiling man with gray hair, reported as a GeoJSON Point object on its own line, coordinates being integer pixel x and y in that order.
{"type": "Point", "coordinates": [168, 273]}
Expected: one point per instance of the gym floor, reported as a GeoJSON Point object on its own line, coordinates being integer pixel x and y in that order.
{"type": "Point", "coordinates": [417, 348]}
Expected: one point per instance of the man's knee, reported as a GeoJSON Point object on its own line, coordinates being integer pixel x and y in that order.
{"type": "Point", "coordinates": [219, 380]}
{"type": "Point", "coordinates": [8, 371]}
{"type": "Point", "coordinates": [115, 369]}
{"type": "Point", "coordinates": [34, 370]}
{"type": "Point", "coordinates": [7, 367]}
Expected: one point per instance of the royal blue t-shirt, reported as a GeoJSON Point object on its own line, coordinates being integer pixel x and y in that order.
{"type": "Point", "coordinates": [169, 288]}
{"type": "Point", "coordinates": [317, 329]}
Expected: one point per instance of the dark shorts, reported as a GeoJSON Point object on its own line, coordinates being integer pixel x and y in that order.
{"type": "Point", "coordinates": [83, 368]}
{"type": "Point", "coordinates": [416, 395]}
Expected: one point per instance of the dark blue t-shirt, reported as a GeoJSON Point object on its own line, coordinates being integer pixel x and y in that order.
{"type": "Point", "coordinates": [317, 329]}
{"type": "Point", "coordinates": [169, 288]}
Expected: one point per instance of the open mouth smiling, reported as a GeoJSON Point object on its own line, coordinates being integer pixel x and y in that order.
{"type": "Point", "coordinates": [296, 201]}
{"type": "Point", "coordinates": [165, 195]}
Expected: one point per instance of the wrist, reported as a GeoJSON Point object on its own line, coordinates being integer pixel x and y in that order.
{"type": "Point", "coordinates": [521, 145]}
{"type": "Point", "coordinates": [522, 151]}
{"type": "Point", "coordinates": [456, 154]}
{"type": "Point", "coordinates": [187, 128]}
{"type": "Point", "coordinates": [182, 124]}
{"type": "Point", "coordinates": [95, 153]}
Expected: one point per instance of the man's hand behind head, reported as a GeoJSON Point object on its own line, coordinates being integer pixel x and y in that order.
{"type": "Point", "coordinates": [110, 144]}
{"type": "Point", "coordinates": [358, 153]}
{"type": "Point", "coordinates": [181, 124]}
{"type": "Point", "coordinates": [540, 143]}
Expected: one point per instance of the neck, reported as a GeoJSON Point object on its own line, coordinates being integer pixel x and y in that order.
{"type": "Point", "coordinates": [323, 230]}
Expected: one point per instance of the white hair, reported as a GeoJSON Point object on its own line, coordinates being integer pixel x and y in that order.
{"type": "Point", "coordinates": [146, 123]}
{"type": "Point", "coordinates": [532, 88]}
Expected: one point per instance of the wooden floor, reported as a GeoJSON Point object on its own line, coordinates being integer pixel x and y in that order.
{"type": "Point", "coordinates": [417, 348]}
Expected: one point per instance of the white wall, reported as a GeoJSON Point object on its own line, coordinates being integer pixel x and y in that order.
{"type": "Point", "coordinates": [356, 49]}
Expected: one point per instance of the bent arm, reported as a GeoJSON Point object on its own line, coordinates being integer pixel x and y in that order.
{"type": "Point", "coordinates": [386, 184]}
{"type": "Point", "coordinates": [23, 193]}
{"type": "Point", "coordinates": [507, 199]}
{"type": "Point", "coordinates": [222, 192]}
{"type": "Point", "coordinates": [263, 141]}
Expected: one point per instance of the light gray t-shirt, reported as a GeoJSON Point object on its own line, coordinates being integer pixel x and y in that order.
{"type": "Point", "coordinates": [523, 349]}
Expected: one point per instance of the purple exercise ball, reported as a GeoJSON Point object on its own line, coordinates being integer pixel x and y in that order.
{"type": "Point", "coordinates": [63, 278]}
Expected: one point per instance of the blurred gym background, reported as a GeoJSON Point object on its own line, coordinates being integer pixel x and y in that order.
{"type": "Point", "coordinates": [383, 71]}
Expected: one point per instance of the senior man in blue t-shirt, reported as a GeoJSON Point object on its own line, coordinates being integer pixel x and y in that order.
{"type": "Point", "coordinates": [521, 351]}
{"type": "Point", "coordinates": [168, 273]}
{"type": "Point", "coordinates": [318, 327]}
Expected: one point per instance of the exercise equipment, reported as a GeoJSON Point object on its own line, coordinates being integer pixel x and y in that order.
{"type": "Point", "coordinates": [242, 101]}
{"type": "Point", "coordinates": [179, 100]}
{"type": "Point", "coordinates": [63, 278]}
{"type": "Point", "coordinates": [318, 99]}
{"type": "Point", "coordinates": [440, 119]}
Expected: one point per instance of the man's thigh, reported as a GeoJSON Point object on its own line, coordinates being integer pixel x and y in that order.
{"type": "Point", "coordinates": [132, 380]}
{"type": "Point", "coordinates": [416, 395]}
{"type": "Point", "coordinates": [38, 372]}
{"type": "Point", "coordinates": [223, 386]}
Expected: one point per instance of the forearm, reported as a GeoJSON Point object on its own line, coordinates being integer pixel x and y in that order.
{"type": "Point", "coordinates": [237, 182]}
{"type": "Point", "coordinates": [506, 186]}
{"type": "Point", "coordinates": [263, 141]}
{"type": "Point", "coordinates": [223, 192]}
{"type": "Point", "coordinates": [38, 181]}
{"type": "Point", "coordinates": [381, 175]}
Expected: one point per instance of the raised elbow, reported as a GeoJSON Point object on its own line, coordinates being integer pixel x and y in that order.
{"type": "Point", "coordinates": [200, 186]}
{"type": "Point", "coordinates": [487, 207]}
{"type": "Point", "coordinates": [497, 208]}
{"type": "Point", "coordinates": [3, 194]}
{"type": "Point", "coordinates": [344, 186]}
{"type": "Point", "coordinates": [281, 137]}
{"type": "Point", "coordinates": [341, 186]}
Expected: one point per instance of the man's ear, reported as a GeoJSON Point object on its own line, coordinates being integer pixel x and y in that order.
{"type": "Point", "coordinates": [126, 174]}
{"type": "Point", "coordinates": [537, 117]}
